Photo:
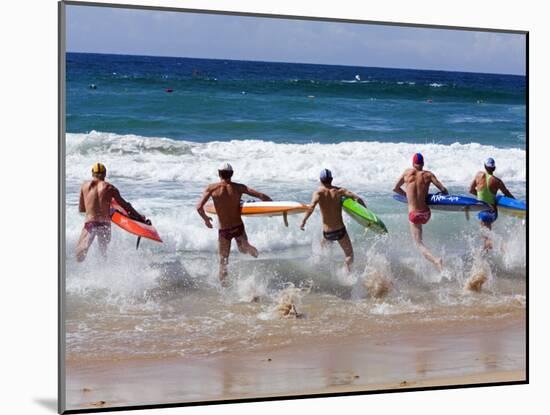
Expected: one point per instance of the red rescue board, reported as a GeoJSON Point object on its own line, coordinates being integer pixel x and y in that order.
{"type": "Point", "coordinates": [119, 216]}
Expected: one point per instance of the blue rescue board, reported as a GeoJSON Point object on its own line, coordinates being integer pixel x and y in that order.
{"type": "Point", "coordinates": [511, 206]}
{"type": "Point", "coordinates": [452, 203]}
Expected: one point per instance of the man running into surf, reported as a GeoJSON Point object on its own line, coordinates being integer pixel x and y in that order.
{"type": "Point", "coordinates": [485, 186]}
{"type": "Point", "coordinates": [418, 183]}
{"type": "Point", "coordinates": [95, 202]}
{"type": "Point", "coordinates": [227, 202]}
{"type": "Point", "coordinates": [329, 199]}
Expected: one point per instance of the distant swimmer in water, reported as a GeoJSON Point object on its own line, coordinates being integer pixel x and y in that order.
{"type": "Point", "coordinates": [418, 182]}
{"type": "Point", "coordinates": [227, 202]}
{"type": "Point", "coordinates": [485, 186]}
{"type": "Point", "coordinates": [329, 199]}
{"type": "Point", "coordinates": [95, 201]}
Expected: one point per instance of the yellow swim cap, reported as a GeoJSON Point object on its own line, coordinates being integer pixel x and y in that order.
{"type": "Point", "coordinates": [99, 168]}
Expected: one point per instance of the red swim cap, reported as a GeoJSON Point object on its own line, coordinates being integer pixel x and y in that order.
{"type": "Point", "coordinates": [418, 159]}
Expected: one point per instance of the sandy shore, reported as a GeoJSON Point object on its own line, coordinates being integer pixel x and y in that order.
{"type": "Point", "coordinates": [465, 352]}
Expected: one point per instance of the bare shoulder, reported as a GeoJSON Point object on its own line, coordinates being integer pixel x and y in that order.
{"type": "Point", "coordinates": [110, 187]}
{"type": "Point", "coordinates": [430, 175]}
{"type": "Point", "coordinates": [85, 185]}
{"type": "Point", "coordinates": [239, 186]}
{"type": "Point", "coordinates": [341, 190]}
{"type": "Point", "coordinates": [211, 187]}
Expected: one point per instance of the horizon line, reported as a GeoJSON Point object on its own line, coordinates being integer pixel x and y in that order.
{"type": "Point", "coordinates": [296, 63]}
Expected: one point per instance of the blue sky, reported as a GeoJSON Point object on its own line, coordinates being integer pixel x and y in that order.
{"type": "Point", "coordinates": [161, 33]}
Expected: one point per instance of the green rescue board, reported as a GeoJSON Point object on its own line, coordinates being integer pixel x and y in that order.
{"type": "Point", "coordinates": [363, 216]}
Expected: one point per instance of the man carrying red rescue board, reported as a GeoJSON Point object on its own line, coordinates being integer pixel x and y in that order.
{"type": "Point", "coordinates": [485, 186]}
{"type": "Point", "coordinates": [329, 199]}
{"type": "Point", "coordinates": [95, 201]}
{"type": "Point", "coordinates": [418, 182]}
{"type": "Point", "coordinates": [227, 202]}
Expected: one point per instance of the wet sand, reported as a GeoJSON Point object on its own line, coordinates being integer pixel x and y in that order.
{"type": "Point", "coordinates": [443, 353]}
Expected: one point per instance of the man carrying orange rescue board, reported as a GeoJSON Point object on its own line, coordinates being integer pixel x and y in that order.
{"type": "Point", "coordinates": [227, 202]}
{"type": "Point", "coordinates": [329, 199]}
{"type": "Point", "coordinates": [418, 183]}
{"type": "Point", "coordinates": [95, 201]}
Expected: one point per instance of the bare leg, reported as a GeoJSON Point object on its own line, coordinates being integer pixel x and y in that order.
{"type": "Point", "coordinates": [416, 232]}
{"type": "Point", "coordinates": [345, 243]}
{"type": "Point", "coordinates": [224, 248]}
{"type": "Point", "coordinates": [83, 245]}
{"type": "Point", "coordinates": [487, 243]}
{"type": "Point", "coordinates": [104, 237]}
{"type": "Point", "coordinates": [245, 247]}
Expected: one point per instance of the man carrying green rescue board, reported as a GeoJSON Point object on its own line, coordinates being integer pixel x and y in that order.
{"type": "Point", "coordinates": [418, 183]}
{"type": "Point", "coordinates": [95, 201]}
{"type": "Point", "coordinates": [329, 198]}
{"type": "Point", "coordinates": [227, 201]}
{"type": "Point", "coordinates": [485, 186]}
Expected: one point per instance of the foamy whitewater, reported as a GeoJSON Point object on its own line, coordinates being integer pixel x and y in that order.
{"type": "Point", "coordinates": [165, 299]}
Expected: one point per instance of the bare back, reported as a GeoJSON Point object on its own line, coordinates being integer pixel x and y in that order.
{"type": "Point", "coordinates": [95, 200]}
{"type": "Point", "coordinates": [227, 201]}
{"type": "Point", "coordinates": [330, 202]}
{"type": "Point", "coordinates": [417, 184]}
{"type": "Point", "coordinates": [481, 181]}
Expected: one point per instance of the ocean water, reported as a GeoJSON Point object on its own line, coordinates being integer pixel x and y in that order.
{"type": "Point", "coordinates": [279, 125]}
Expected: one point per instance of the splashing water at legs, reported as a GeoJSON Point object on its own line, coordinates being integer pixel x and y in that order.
{"type": "Point", "coordinates": [416, 232]}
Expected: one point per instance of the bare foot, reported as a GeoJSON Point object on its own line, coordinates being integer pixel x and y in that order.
{"type": "Point", "coordinates": [476, 282]}
{"type": "Point", "coordinates": [377, 285]}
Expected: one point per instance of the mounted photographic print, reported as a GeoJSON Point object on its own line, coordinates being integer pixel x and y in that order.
{"type": "Point", "coordinates": [260, 207]}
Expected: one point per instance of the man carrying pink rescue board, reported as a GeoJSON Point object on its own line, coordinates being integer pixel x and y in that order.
{"type": "Point", "coordinates": [95, 201]}
{"type": "Point", "coordinates": [227, 202]}
{"type": "Point", "coordinates": [418, 183]}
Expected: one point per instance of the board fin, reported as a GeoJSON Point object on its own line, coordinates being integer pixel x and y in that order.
{"type": "Point", "coordinates": [285, 218]}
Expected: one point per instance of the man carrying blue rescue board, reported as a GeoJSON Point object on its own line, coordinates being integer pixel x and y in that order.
{"type": "Point", "coordinates": [95, 201]}
{"type": "Point", "coordinates": [485, 186]}
{"type": "Point", "coordinates": [329, 198]}
{"type": "Point", "coordinates": [227, 202]}
{"type": "Point", "coordinates": [417, 183]}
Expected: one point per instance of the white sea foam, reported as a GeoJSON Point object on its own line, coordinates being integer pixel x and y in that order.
{"type": "Point", "coordinates": [476, 120]}
{"type": "Point", "coordinates": [164, 178]}
{"type": "Point", "coordinates": [372, 164]}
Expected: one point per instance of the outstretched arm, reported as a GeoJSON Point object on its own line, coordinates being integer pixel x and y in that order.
{"type": "Point", "coordinates": [134, 214]}
{"type": "Point", "coordinates": [504, 190]}
{"type": "Point", "coordinates": [397, 188]}
{"type": "Point", "coordinates": [200, 207]}
{"type": "Point", "coordinates": [249, 191]}
{"type": "Point", "coordinates": [351, 195]}
{"type": "Point", "coordinates": [439, 185]}
{"type": "Point", "coordinates": [314, 202]}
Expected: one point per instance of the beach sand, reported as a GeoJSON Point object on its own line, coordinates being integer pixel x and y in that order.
{"type": "Point", "coordinates": [422, 355]}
